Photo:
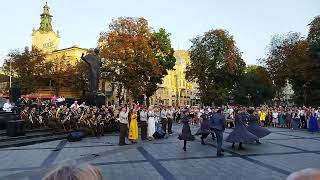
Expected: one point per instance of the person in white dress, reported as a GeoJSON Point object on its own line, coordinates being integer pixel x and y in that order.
{"type": "Point", "coordinates": [151, 123]}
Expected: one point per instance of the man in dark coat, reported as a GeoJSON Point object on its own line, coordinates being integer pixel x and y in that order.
{"type": "Point", "coordinates": [217, 124]}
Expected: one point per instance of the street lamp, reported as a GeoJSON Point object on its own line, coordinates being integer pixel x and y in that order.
{"type": "Point", "coordinates": [10, 79]}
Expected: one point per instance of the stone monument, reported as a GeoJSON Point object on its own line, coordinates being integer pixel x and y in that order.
{"type": "Point", "coordinates": [94, 62]}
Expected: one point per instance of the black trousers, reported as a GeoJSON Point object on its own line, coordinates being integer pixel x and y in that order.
{"type": "Point", "coordinates": [303, 122]}
{"type": "Point", "coordinates": [144, 130]}
{"type": "Point", "coordinates": [170, 125]}
{"type": "Point", "coordinates": [123, 133]}
{"type": "Point", "coordinates": [164, 124]}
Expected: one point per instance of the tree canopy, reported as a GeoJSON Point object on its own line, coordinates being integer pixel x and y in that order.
{"type": "Point", "coordinates": [216, 65]}
{"type": "Point", "coordinates": [137, 57]}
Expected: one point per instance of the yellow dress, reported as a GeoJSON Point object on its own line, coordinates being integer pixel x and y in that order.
{"type": "Point", "coordinates": [133, 130]}
{"type": "Point", "coordinates": [263, 116]}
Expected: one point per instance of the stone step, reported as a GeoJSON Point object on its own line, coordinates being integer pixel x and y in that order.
{"type": "Point", "coordinates": [4, 131]}
{"type": "Point", "coordinates": [30, 141]}
{"type": "Point", "coordinates": [28, 136]}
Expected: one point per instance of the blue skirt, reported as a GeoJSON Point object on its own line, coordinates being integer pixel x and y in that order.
{"type": "Point", "coordinates": [313, 124]}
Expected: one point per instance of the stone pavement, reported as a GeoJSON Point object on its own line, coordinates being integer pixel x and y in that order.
{"type": "Point", "coordinates": [282, 152]}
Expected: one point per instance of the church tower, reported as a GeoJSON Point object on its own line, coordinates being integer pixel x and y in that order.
{"type": "Point", "coordinates": [45, 38]}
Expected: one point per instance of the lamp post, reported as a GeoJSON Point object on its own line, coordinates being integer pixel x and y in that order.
{"type": "Point", "coordinates": [10, 79]}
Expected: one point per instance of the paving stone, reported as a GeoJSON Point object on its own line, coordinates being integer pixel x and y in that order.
{"type": "Point", "coordinates": [220, 168]}
{"type": "Point", "coordinates": [292, 162]}
{"type": "Point", "coordinates": [279, 154]}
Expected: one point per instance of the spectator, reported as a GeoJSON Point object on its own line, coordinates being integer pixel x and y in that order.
{"type": "Point", "coordinates": [72, 171]}
{"type": "Point", "coordinates": [305, 174]}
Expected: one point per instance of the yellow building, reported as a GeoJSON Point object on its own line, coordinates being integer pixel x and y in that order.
{"type": "Point", "coordinates": [47, 40]}
{"type": "Point", "coordinates": [175, 89]}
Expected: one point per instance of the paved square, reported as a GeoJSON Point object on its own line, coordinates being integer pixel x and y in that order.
{"type": "Point", "coordinates": [282, 152]}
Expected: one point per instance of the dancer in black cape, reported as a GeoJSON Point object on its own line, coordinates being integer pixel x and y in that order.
{"type": "Point", "coordinates": [186, 132]}
{"type": "Point", "coordinates": [240, 134]}
{"type": "Point", "coordinates": [254, 127]}
{"type": "Point", "coordinates": [204, 129]}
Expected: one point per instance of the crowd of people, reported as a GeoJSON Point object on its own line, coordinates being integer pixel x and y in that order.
{"type": "Point", "coordinates": [248, 123]}
{"type": "Point", "coordinates": [156, 121]}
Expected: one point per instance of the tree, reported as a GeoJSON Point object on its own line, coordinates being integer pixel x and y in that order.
{"type": "Point", "coordinates": [314, 46]}
{"type": "Point", "coordinates": [137, 58]}
{"type": "Point", "coordinates": [289, 59]}
{"type": "Point", "coordinates": [165, 55]}
{"type": "Point", "coordinates": [255, 87]}
{"type": "Point", "coordinates": [28, 67]}
{"type": "Point", "coordinates": [62, 74]}
{"type": "Point", "coordinates": [216, 65]}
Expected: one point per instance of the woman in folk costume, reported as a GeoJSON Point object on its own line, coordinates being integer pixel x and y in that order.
{"type": "Point", "coordinates": [240, 134]}
{"type": "Point", "coordinates": [186, 132]}
{"type": "Point", "coordinates": [133, 130]}
{"type": "Point", "coordinates": [254, 127]}
{"type": "Point", "coordinates": [204, 129]}
{"type": "Point", "coordinates": [151, 123]}
{"type": "Point", "coordinates": [313, 122]}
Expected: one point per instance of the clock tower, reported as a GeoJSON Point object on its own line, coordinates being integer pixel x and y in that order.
{"type": "Point", "coordinates": [45, 38]}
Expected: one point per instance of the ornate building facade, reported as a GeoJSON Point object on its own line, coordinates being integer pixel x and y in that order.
{"type": "Point", "coordinates": [175, 89]}
{"type": "Point", "coordinates": [47, 40]}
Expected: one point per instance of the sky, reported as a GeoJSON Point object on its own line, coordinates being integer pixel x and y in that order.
{"type": "Point", "coordinates": [252, 23]}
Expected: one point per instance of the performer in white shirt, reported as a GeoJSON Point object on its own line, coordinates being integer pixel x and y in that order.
{"type": "Point", "coordinates": [170, 119]}
{"type": "Point", "coordinates": [123, 118]}
{"type": "Point", "coordinates": [143, 120]}
{"type": "Point", "coordinates": [7, 107]}
{"type": "Point", "coordinates": [163, 116]}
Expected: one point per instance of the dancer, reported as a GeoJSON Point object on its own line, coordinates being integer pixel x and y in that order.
{"type": "Point", "coordinates": [151, 123]}
{"type": "Point", "coordinates": [186, 132]}
{"type": "Point", "coordinates": [240, 134]}
{"type": "Point", "coordinates": [217, 124]}
{"type": "Point", "coordinates": [204, 129]}
{"type": "Point", "coordinates": [254, 127]}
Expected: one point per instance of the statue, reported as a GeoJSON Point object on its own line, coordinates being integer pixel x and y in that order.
{"type": "Point", "coordinates": [94, 62]}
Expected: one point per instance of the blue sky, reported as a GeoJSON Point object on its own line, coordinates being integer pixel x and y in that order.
{"type": "Point", "coordinates": [251, 22]}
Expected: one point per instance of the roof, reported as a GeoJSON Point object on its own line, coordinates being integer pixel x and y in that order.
{"type": "Point", "coordinates": [69, 48]}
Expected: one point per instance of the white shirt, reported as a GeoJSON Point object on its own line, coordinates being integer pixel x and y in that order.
{"type": "Point", "coordinates": [60, 100]}
{"type": "Point", "coordinates": [301, 112]}
{"type": "Point", "coordinates": [7, 107]}
{"type": "Point", "coordinates": [123, 117]}
{"type": "Point", "coordinates": [275, 115]}
{"type": "Point", "coordinates": [163, 114]}
{"type": "Point", "coordinates": [74, 105]}
{"type": "Point", "coordinates": [143, 116]}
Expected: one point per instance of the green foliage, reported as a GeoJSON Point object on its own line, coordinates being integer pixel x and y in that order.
{"type": "Point", "coordinates": [137, 58]}
{"type": "Point", "coordinates": [255, 87]}
{"type": "Point", "coordinates": [297, 59]}
{"type": "Point", "coordinates": [31, 70]}
{"type": "Point", "coordinates": [27, 67]}
{"type": "Point", "coordinates": [216, 65]}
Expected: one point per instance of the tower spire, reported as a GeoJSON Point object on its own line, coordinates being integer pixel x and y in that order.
{"type": "Point", "coordinates": [46, 18]}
